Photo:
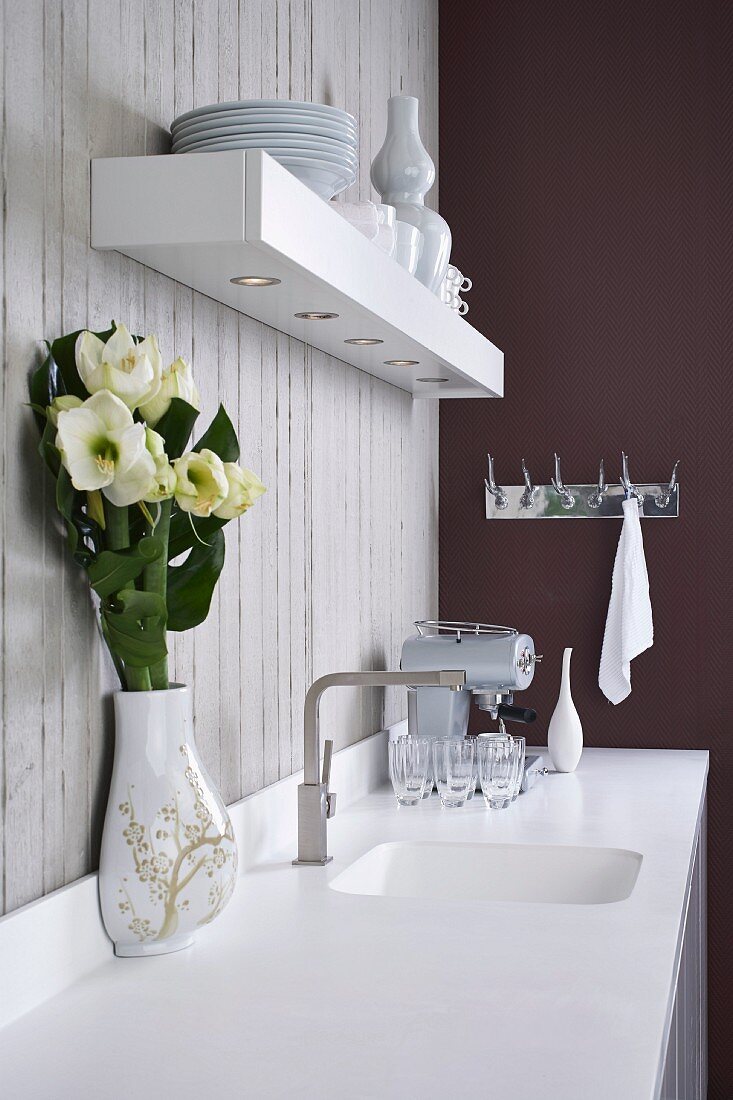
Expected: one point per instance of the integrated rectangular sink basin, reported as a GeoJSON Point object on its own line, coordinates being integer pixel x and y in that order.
{"type": "Point", "coordinates": [554, 874]}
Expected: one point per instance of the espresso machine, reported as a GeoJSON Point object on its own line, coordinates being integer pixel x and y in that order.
{"type": "Point", "coordinates": [498, 662]}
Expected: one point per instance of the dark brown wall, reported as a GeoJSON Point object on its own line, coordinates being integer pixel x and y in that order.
{"type": "Point", "coordinates": [587, 173]}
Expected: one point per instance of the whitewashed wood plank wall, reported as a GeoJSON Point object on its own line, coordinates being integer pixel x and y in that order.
{"type": "Point", "coordinates": [340, 556]}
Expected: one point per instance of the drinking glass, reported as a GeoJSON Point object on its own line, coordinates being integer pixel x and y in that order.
{"type": "Point", "coordinates": [520, 748]}
{"type": "Point", "coordinates": [496, 765]}
{"type": "Point", "coordinates": [409, 765]}
{"type": "Point", "coordinates": [474, 776]}
{"type": "Point", "coordinates": [429, 781]}
{"type": "Point", "coordinates": [453, 770]}
{"type": "Point", "coordinates": [481, 737]}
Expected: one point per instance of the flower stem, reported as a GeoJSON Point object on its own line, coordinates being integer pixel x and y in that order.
{"type": "Point", "coordinates": [117, 537]}
{"type": "Point", "coordinates": [138, 679]}
{"type": "Point", "coordinates": [155, 579]}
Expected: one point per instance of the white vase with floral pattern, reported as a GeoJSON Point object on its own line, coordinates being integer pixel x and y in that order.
{"type": "Point", "coordinates": [168, 864]}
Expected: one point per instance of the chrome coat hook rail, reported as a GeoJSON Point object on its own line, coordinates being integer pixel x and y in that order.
{"type": "Point", "coordinates": [558, 500]}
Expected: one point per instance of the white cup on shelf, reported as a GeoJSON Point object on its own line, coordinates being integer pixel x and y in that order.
{"type": "Point", "coordinates": [386, 238]}
{"type": "Point", "coordinates": [457, 279]}
{"type": "Point", "coordinates": [408, 245]}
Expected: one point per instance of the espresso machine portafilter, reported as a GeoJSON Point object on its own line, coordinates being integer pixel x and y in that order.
{"type": "Point", "coordinates": [498, 661]}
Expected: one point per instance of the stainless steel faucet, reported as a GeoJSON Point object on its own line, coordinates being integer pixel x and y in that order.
{"type": "Point", "coordinates": [315, 802]}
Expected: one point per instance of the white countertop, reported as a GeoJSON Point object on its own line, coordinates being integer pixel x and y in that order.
{"type": "Point", "coordinates": [302, 991]}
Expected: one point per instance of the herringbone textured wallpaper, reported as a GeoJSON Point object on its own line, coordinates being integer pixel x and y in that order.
{"type": "Point", "coordinates": [587, 173]}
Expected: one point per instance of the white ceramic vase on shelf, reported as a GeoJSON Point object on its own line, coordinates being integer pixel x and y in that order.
{"type": "Point", "coordinates": [169, 859]}
{"type": "Point", "coordinates": [565, 732]}
{"type": "Point", "coordinates": [402, 173]}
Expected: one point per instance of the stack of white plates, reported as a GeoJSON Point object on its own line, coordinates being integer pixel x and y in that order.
{"type": "Point", "coordinates": [315, 142]}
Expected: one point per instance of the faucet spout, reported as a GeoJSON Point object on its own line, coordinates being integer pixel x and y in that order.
{"type": "Point", "coordinates": [315, 802]}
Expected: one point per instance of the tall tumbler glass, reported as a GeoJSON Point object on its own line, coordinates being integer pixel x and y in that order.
{"type": "Point", "coordinates": [409, 766]}
{"type": "Point", "coordinates": [429, 782]}
{"type": "Point", "coordinates": [490, 736]}
{"type": "Point", "coordinates": [453, 770]}
{"type": "Point", "coordinates": [520, 748]}
{"type": "Point", "coordinates": [474, 778]}
{"type": "Point", "coordinates": [496, 766]}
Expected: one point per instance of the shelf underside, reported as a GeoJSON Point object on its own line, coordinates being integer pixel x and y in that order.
{"type": "Point", "coordinates": [204, 219]}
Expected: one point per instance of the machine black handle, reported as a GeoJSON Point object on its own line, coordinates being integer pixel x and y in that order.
{"type": "Point", "coordinates": [515, 714]}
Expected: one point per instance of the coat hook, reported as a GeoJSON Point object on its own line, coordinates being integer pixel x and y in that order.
{"type": "Point", "coordinates": [566, 497]}
{"type": "Point", "coordinates": [527, 498]}
{"type": "Point", "coordinates": [662, 499]}
{"type": "Point", "coordinates": [502, 500]}
{"type": "Point", "coordinates": [595, 499]}
{"type": "Point", "coordinates": [626, 482]}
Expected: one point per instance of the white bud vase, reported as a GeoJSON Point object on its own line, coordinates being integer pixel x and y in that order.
{"type": "Point", "coordinates": [169, 858]}
{"type": "Point", "coordinates": [565, 733]}
{"type": "Point", "coordinates": [402, 173]}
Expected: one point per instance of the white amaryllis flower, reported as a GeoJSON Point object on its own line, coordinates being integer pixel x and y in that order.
{"type": "Point", "coordinates": [244, 489]}
{"type": "Point", "coordinates": [62, 404]}
{"type": "Point", "coordinates": [164, 478]}
{"type": "Point", "coordinates": [103, 448]}
{"type": "Point", "coordinates": [128, 370]}
{"type": "Point", "coordinates": [176, 381]}
{"type": "Point", "coordinates": [201, 483]}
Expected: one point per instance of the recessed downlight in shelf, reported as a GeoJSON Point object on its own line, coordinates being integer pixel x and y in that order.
{"type": "Point", "coordinates": [316, 316]}
{"type": "Point", "coordinates": [431, 379]}
{"type": "Point", "coordinates": [364, 341]}
{"type": "Point", "coordinates": [401, 362]}
{"type": "Point", "coordinates": [255, 280]}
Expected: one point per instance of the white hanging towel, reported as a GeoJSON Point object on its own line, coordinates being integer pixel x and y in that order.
{"type": "Point", "coordinates": [629, 626]}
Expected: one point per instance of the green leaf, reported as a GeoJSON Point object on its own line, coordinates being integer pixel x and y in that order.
{"type": "Point", "coordinates": [119, 667]}
{"type": "Point", "coordinates": [48, 450]}
{"type": "Point", "coordinates": [115, 569]}
{"type": "Point", "coordinates": [141, 605]}
{"type": "Point", "coordinates": [45, 384]}
{"type": "Point", "coordinates": [122, 625]}
{"type": "Point", "coordinates": [176, 425]}
{"type": "Point", "coordinates": [95, 508]}
{"type": "Point", "coordinates": [185, 528]}
{"type": "Point", "coordinates": [220, 438]}
{"type": "Point", "coordinates": [79, 527]}
{"type": "Point", "coordinates": [191, 585]}
{"type": "Point", "coordinates": [65, 504]}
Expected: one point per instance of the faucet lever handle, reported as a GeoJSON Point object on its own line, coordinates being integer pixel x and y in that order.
{"type": "Point", "coordinates": [326, 778]}
{"type": "Point", "coordinates": [327, 755]}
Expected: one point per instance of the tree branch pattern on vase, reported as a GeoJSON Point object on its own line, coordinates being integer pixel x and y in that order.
{"type": "Point", "coordinates": [168, 855]}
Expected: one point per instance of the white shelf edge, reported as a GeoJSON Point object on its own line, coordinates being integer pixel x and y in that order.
{"type": "Point", "coordinates": [203, 218]}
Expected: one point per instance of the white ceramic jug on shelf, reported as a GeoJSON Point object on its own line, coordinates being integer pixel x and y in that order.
{"type": "Point", "coordinates": [402, 173]}
{"type": "Point", "coordinates": [565, 732]}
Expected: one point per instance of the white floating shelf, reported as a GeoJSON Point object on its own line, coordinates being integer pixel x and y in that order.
{"type": "Point", "coordinates": [205, 218]}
